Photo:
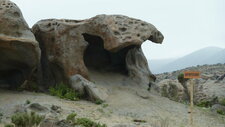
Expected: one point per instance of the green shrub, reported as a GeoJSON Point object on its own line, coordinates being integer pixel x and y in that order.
{"type": "Point", "coordinates": [1, 115]}
{"type": "Point", "coordinates": [27, 102]}
{"type": "Point", "coordinates": [98, 101]}
{"type": "Point", "coordinates": [88, 123]}
{"type": "Point", "coordinates": [204, 104]}
{"type": "Point", "coordinates": [222, 102]}
{"type": "Point", "coordinates": [105, 105]}
{"type": "Point", "coordinates": [26, 119]}
{"type": "Point", "coordinates": [221, 112]}
{"type": "Point", "coordinates": [181, 78]}
{"type": "Point", "coordinates": [71, 117]}
{"type": "Point", "coordinates": [9, 125]}
{"type": "Point", "coordinates": [64, 92]}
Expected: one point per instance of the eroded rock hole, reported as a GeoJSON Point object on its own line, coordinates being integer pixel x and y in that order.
{"type": "Point", "coordinates": [98, 59]}
{"type": "Point", "coordinates": [11, 78]}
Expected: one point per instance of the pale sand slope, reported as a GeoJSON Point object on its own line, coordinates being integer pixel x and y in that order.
{"type": "Point", "coordinates": [124, 106]}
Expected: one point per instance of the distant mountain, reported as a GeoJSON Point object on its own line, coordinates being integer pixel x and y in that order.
{"type": "Point", "coordinates": [155, 65]}
{"type": "Point", "coordinates": [209, 55]}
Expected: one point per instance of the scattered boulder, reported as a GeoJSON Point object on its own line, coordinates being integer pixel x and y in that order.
{"type": "Point", "coordinates": [87, 88]}
{"type": "Point", "coordinates": [36, 107]}
{"type": "Point", "coordinates": [20, 53]}
{"type": "Point", "coordinates": [171, 89]}
{"type": "Point", "coordinates": [56, 108]}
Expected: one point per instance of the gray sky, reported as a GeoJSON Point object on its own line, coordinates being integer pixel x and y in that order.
{"type": "Point", "coordinates": [187, 25]}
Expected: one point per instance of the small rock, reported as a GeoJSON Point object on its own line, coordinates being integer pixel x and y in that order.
{"type": "Point", "coordinates": [37, 107]}
{"type": "Point", "coordinates": [143, 94]}
{"type": "Point", "coordinates": [56, 108]}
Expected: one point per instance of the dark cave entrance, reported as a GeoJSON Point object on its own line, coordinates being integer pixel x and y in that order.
{"type": "Point", "coordinates": [13, 71]}
{"type": "Point", "coordinates": [11, 78]}
{"type": "Point", "coordinates": [98, 59]}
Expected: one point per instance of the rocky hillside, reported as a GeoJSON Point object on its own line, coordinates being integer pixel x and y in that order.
{"type": "Point", "coordinates": [208, 90]}
{"type": "Point", "coordinates": [212, 72]}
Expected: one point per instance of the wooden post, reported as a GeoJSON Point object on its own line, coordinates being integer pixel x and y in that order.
{"type": "Point", "coordinates": [191, 75]}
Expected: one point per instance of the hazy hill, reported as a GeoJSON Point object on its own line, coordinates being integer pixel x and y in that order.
{"type": "Point", "coordinates": [209, 55]}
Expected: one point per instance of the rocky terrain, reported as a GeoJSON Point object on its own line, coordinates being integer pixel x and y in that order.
{"type": "Point", "coordinates": [208, 90]}
{"type": "Point", "coordinates": [97, 60]}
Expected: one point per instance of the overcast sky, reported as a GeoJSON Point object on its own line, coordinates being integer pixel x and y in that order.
{"type": "Point", "coordinates": [187, 25]}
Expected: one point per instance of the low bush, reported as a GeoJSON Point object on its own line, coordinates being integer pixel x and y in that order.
{"type": "Point", "coordinates": [26, 119]}
{"type": "Point", "coordinates": [221, 112]}
{"type": "Point", "coordinates": [222, 102]}
{"type": "Point", "coordinates": [1, 115]}
{"type": "Point", "coordinates": [88, 123]}
{"type": "Point", "coordinates": [98, 101]}
{"type": "Point", "coordinates": [83, 122]}
{"type": "Point", "coordinates": [64, 92]}
{"type": "Point", "coordinates": [71, 117]}
{"type": "Point", "coordinates": [204, 104]}
{"type": "Point", "coordinates": [9, 125]}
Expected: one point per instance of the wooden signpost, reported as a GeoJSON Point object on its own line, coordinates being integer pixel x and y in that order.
{"type": "Point", "coordinates": [191, 75]}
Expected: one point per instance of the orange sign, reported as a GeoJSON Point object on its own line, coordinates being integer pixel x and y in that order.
{"type": "Point", "coordinates": [192, 74]}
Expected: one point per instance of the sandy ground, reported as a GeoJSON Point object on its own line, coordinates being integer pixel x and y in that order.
{"type": "Point", "coordinates": [124, 106]}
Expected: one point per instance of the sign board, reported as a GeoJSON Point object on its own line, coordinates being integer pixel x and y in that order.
{"type": "Point", "coordinates": [191, 74]}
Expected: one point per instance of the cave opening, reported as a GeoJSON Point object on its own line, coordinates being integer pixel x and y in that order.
{"type": "Point", "coordinates": [13, 71]}
{"type": "Point", "coordinates": [11, 78]}
{"type": "Point", "coordinates": [99, 59]}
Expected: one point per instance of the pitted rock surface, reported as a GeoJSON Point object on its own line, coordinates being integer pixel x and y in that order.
{"type": "Point", "coordinates": [71, 47]}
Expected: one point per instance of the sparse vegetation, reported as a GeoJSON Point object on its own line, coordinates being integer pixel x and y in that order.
{"type": "Point", "coordinates": [105, 105]}
{"type": "Point", "coordinates": [71, 117]}
{"type": "Point", "coordinates": [208, 103]}
{"type": "Point", "coordinates": [9, 125]}
{"type": "Point", "coordinates": [88, 123]}
{"type": "Point", "coordinates": [98, 101]}
{"type": "Point", "coordinates": [64, 92]}
{"type": "Point", "coordinates": [221, 112]}
{"type": "Point", "coordinates": [84, 122]}
{"type": "Point", "coordinates": [1, 115]}
{"type": "Point", "coordinates": [204, 104]}
{"type": "Point", "coordinates": [26, 119]}
{"type": "Point", "coordinates": [181, 78]}
{"type": "Point", "coordinates": [27, 102]}
{"type": "Point", "coordinates": [222, 102]}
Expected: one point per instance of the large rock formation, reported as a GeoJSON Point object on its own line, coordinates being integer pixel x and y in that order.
{"type": "Point", "coordinates": [109, 43]}
{"type": "Point", "coordinates": [18, 48]}
{"type": "Point", "coordinates": [68, 50]}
